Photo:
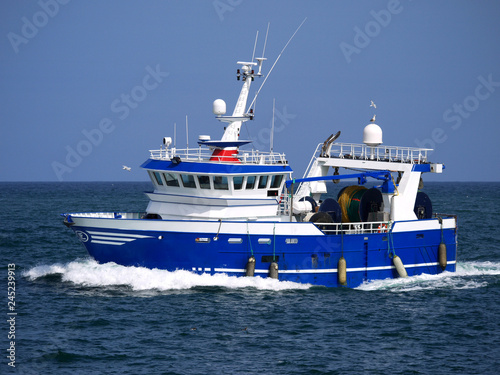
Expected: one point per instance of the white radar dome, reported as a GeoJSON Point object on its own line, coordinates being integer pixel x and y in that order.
{"type": "Point", "coordinates": [372, 135]}
{"type": "Point", "coordinates": [204, 138]}
{"type": "Point", "coordinates": [219, 107]}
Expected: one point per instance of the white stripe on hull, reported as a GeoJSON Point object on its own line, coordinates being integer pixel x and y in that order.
{"type": "Point", "coordinates": [110, 238]}
{"type": "Point", "coordinates": [118, 234]}
{"type": "Point", "coordinates": [109, 242]}
{"type": "Point", "coordinates": [416, 225]}
{"type": "Point", "coordinates": [331, 270]}
{"type": "Point", "coordinates": [94, 238]}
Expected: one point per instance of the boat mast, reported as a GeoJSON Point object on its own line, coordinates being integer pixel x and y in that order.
{"type": "Point", "coordinates": [246, 73]}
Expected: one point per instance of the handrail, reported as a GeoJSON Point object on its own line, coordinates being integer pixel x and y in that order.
{"type": "Point", "coordinates": [411, 155]}
{"type": "Point", "coordinates": [313, 158]}
{"type": "Point", "coordinates": [355, 228]}
{"type": "Point", "coordinates": [203, 155]}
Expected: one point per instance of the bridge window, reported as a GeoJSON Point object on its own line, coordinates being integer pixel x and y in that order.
{"type": "Point", "coordinates": [276, 181]}
{"type": "Point", "coordinates": [204, 182]}
{"type": "Point", "coordinates": [158, 178]}
{"type": "Point", "coordinates": [220, 183]}
{"type": "Point", "coordinates": [171, 179]}
{"type": "Point", "coordinates": [188, 180]}
{"type": "Point", "coordinates": [238, 182]}
{"type": "Point", "coordinates": [263, 182]}
{"type": "Point", "coordinates": [251, 182]}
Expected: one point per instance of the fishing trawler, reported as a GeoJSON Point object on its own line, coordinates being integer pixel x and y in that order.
{"type": "Point", "coordinates": [219, 208]}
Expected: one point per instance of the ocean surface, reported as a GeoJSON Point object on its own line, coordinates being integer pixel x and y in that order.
{"type": "Point", "coordinates": [74, 316]}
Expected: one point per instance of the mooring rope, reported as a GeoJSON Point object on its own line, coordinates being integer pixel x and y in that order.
{"type": "Point", "coordinates": [274, 242]}
{"type": "Point", "coordinates": [249, 240]}
{"type": "Point", "coordinates": [218, 230]}
{"type": "Point", "coordinates": [342, 239]}
{"type": "Point", "coordinates": [390, 242]}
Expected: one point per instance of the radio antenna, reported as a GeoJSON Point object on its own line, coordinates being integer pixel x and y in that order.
{"type": "Point", "coordinates": [272, 127]}
{"type": "Point", "coordinates": [265, 41]}
{"type": "Point", "coordinates": [187, 133]}
{"type": "Point", "coordinates": [255, 45]}
{"type": "Point", "coordinates": [268, 74]}
{"type": "Point", "coordinates": [175, 134]}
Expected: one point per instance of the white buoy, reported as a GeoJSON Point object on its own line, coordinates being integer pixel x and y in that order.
{"type": "Point", "coordinates": [398, 263]}
{"type": "Point", "coordinates": [273, 270]}
{"type": "Point", "coordinates": [443, 262]}
{"type": "Point", "coordinates": [250, 267]}
{"type": "Point", "coordinates": [342, 271]}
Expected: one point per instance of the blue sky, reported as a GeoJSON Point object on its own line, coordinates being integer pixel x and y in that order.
{"type": "Point", "coordinates": [87, 86]}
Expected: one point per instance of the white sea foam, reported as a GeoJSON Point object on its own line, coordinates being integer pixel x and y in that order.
{"type": "Point", "coordinates": [478, 268]}
{"type": "Point", "coordinates": [91, 273]}
{"type": "Point", "coordinates": [469, 275]}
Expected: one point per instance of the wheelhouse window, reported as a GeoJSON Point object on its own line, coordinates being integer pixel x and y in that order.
{"type": "Point", "coordinates": [171, 179]}
{"type": "Point", "coordinates": [276, 181]}
{"type": "Point", "coordinates": [263, 182]}
{"type": "Point", "coordinates": [221, 183]}
{"type": "Point", "coordinates": [158, 178]}
{"type": "Point", "coordinates": [204, 182]}
{"type": "Point", "coordinates": [188, 180]}
{"type": "Point", "coordinates": [251, 182]}
{"type": "Point", "coordinates": [238, 182]}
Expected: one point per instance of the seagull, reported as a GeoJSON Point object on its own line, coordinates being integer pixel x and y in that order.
{"type": "Point", "coordinates": [127, 168]}
{"type": "Point", "coordinates": [373, 104]}
{"type": "Point", "coordinates": [373, 118]}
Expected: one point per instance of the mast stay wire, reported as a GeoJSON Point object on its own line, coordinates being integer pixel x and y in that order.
{"type": "Point", "coordinates": [272, 67]}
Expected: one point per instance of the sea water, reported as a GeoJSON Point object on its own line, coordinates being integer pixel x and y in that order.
{"type": "Point", "coordinates": [75, 316]}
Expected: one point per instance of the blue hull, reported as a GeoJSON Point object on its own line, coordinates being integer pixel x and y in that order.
{"type": "Point", "coordinates": [302, 259]}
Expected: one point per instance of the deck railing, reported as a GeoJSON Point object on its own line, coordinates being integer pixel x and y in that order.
{"type": "Point", "coordinates": [379, 153]}
{"type": "Point", "coordinates": [355, 228]}
{"type": "Point", "coordinates": [204, 155]}
{"type": "Point", "coordinates": [338, 228]}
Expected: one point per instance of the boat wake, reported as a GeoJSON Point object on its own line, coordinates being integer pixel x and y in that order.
{"type": "Point", "coordinates": [469, 275]}
{"type": "Point", "coordinates": [89, 273]}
